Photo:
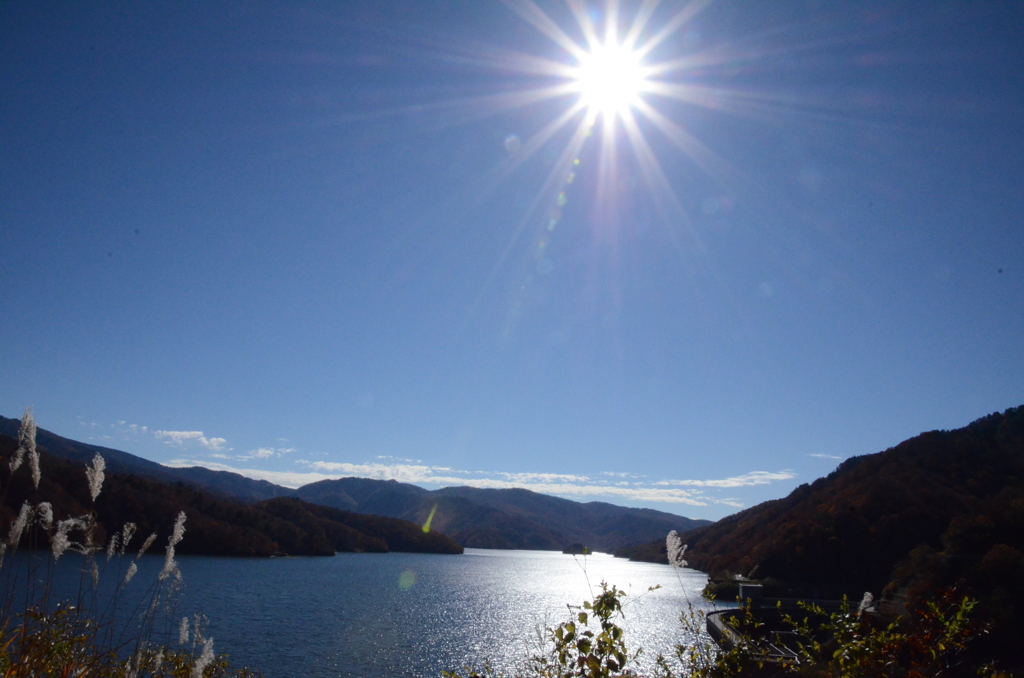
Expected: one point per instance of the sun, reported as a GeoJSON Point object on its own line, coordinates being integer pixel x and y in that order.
{"type": "Point", "coordinates": [609, 79]}
{"type": "Point", "coordinates": [621, 76]}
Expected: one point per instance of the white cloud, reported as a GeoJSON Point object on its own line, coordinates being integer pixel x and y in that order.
{"type": "Point", "coordinates": [266, 453]}
{"type": "Point", "coordinates": [825, 456]}
{"type": "Point", "coordinates": [179, 438]}
{"type": "Point", "coordinates": [745, 480]}
{"type": "Point", "coordinates": [529, 478]}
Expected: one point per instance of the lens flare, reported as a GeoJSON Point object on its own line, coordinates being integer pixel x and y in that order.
{"type": "Point", "coordinates": [407, 580]}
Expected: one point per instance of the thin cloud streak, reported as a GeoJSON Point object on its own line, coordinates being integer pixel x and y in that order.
{"type": "Point", "coordinates": [746, 480]}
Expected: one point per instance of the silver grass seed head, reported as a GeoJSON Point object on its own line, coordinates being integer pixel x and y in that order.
{"type": "Point", "coordinates": [675, 548]}
{"type": "Point", "coordinates": [199, 621]}
{"type": "Point", "coordinates": [112, 545]}
{"type": "Point", "coordinates": [59, 542]}
{"type": "Point", "coordinates": [95, 475]}
{"type": "Point", "coordinates": [19, 524]}
{"type": "Point", "coordinates": [33, 465]}
{"type": "Point", "coordinates": [205, 659]}
{"type": "Point", "coordinates": [44, 513]}
{"type": "Point", "coordinates": [158, 660]}
{"type": "Point", "coordinates": [89, 546]}
{"type": "Point", "coordinates": [146, 544]}
{"type": "Point", "coordinates": [135, 662]}
{"type": "Point", "coordinates": [176, 582]}
{"type": "Point", "coordinates": [26, 441]}
{"type": "Point", "coordinates": [16, 460]}
{"type": "Point", "coordinates": [169, 564]}
{"type": "Point", "coordinates": [132, 569]}
{"type": "Point", "coordinates": [127, 532]}
{"type": "Point", "coordinates": [179, 530]}
{"type": "Point", "coordinates": [95, 572]}
{"type": "Point", "coordinates": [183, 631]}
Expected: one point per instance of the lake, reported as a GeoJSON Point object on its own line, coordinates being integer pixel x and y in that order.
{"type": "Point", "coordinates": [401, 614]}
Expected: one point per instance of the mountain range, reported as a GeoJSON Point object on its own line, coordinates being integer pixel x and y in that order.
{"type": "Point", "coordinates": [474, 517]}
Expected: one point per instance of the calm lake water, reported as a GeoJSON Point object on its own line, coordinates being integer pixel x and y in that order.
{"type": "Point", "coordinates": [401, 614]}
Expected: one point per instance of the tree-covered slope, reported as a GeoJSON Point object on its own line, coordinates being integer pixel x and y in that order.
{"type": "Point", "coordinates": [942, 507]}
{"type": "Point", "coordinates": [215, 525]}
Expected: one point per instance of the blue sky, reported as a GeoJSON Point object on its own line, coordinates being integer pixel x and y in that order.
{"type": "Point", "coordinates": [307, 240]}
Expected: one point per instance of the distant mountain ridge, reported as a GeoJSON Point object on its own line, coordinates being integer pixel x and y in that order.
{"type": "Point", "coordinates": [215, 525]}
{"type": "Point", "coordinates": [474, 517]}
{"type": "Point", "coordinates": [501, 518]}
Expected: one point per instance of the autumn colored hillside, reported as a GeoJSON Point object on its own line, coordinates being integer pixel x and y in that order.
{"type": "Point", "coordinates": [941, 509]}
{"type": "Point", "coordinates": [960, 493]}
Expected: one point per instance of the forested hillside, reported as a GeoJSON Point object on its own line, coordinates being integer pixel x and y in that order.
{"type": "Point", "coordinates": [941, 509]}
{"type": "Point", "coordinates": [956, 492]}
{"type": "Point", "coordinates": [215, 525]}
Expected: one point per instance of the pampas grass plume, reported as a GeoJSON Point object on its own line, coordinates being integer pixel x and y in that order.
{"type": "Point", "coordinates": [18, 526]}
{"type": "Point", "coordinates": [146, 544]}
{"type": "Point", "coordinates": [675, 548]}
{"type": "Point", "coordinates": [204, 659]}
{"type": "Point", "coordinates": [183, 633]}
{"type": "Point", "coordinates": [132, 569]}
{"type": "Point", "coordinates": [95, 475]}
{"type": "Point", "coordinates": [27, 443]}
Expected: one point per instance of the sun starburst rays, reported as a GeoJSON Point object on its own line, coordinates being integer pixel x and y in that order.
{"type": "Point", "coordinates": [611, 76]}
{"type": "Point", "coordinates": [615, 74]}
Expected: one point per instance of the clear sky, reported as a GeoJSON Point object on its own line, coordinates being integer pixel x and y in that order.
{"type": "Point", "coordinates": [688, 266]}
